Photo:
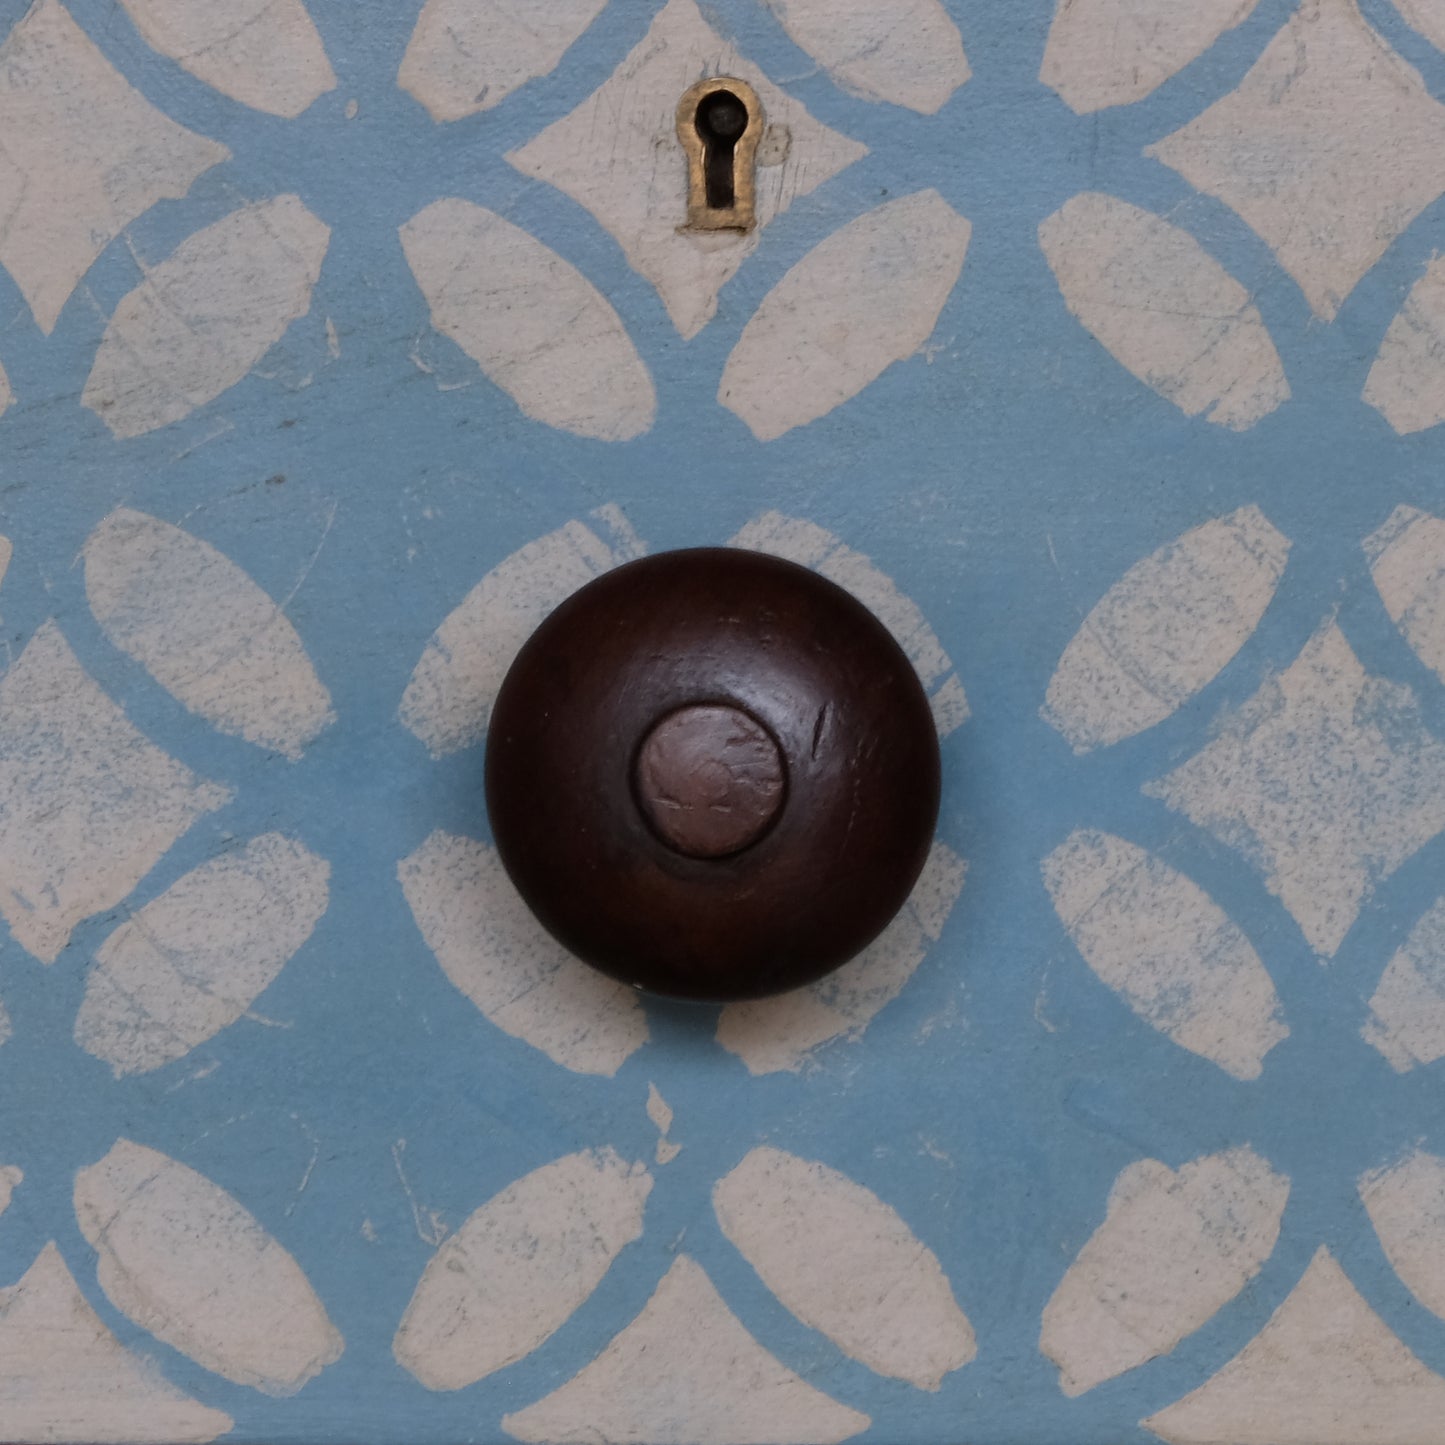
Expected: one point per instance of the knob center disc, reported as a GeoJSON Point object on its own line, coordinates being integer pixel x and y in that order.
{"type": "Point", "coordinates": [710, 780]}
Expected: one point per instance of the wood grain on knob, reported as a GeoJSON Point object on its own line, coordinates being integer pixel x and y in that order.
{"type": "Point", "coordinates": [713, 774]}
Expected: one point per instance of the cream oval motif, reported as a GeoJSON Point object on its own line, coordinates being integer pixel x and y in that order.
{"type": "Point", "coordinates": [520, 1267]}
{"type": "Point", "coordinates": [206, 315]}
{"type": "Point", "coordinates": [185, 1261]}
{"type": "Point", "coordinates": [908, 52]}
{"type": "Point", "coordinates": [204, 630]}
{"type": "Point", "coordinates": [1167, 949]}
{"type": "Point", "coordinates": [264, 53]}
{"type": "Point", "coordinates": [191, 962]}
{"type": "Point", "coordinates": [467, 56]}
{"type": "Point", "coordinates": [535, 325]}
{"type": "Point", "coordinates": [1166, 629]}
{"type": "Point", "coordinates": [1164, 309]}
{"type": "Point", "coordinates": [891, 1308]}
{"type": "Point", "coordinates": [866, 297]}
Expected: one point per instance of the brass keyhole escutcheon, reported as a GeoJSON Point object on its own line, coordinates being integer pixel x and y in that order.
{"type": "Point", "coordinates": [720, 122]}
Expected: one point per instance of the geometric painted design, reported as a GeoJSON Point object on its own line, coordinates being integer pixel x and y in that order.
{"type": "Point", "coordinates": [1165, 309]}
{"type": "Point", "coordinates": [611, 156]}
{"type": "Point", "coordinates": [85, 154]}
{"type": "Point", "coordinates": [162, 1230]}
{"type": "Point", "coordinates": [1210, 1226]}
{"type": "Point", "coordinates": [911, 54]}
{"type": "Point", "coordinates": [529, 1258]}
{"type": "Point", "coordinates": [1168, 950]}
{"type": "Point", "coordinates": [1327, 780]}
{"type": "Point", "coordinates": [206, 315]}
{"type": "Point", "coordinates": [263, 53]}
{"type": "Point", "coordinates": [467, 57]}
{"type": "Point", "coordinates": [1103, 53]}
{"type": "Point", "coordinates": [303, 378]}
{"type": "Point", "coordinates": [1297, 149]}
{"type": "Point", "coordinates": [1166, 629]}
{"type": "Point", "coordinates": [1325, 1370]}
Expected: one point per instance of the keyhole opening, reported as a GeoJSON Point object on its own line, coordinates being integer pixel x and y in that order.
{"type": "Point", "coordinates": [721, 120]}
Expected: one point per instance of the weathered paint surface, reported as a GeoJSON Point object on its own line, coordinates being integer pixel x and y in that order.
{"type": "Point", "coordinates": [1098, 346]}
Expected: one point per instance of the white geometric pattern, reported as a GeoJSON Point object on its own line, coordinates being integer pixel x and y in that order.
{"type": "Point", "coordinates": [1326, 780]}
{"type": "Point", "coordinates": [88, 805]}
{"type": "Point", "coordinates": [84, 155]}
{"type": "Point", "coordinates": [1324, 784]}
{"type": "Point", "coordinates": [1329, 148]}
{"type": "Point", "coordinates": [618, 155]}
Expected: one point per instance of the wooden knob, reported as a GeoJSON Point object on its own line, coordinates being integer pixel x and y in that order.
{"type": "Point", "coordinates": [713, 774]}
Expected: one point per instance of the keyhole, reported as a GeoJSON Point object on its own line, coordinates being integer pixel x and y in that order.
{"type": "Point", "coordinates": [721, 120]}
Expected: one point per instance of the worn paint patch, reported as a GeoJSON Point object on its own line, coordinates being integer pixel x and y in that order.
{"type": "Point", "coordinates": [797, 540]}
{"type": "Point", "coordinates": [6, 394]}
{"type": "Point", "coordinates": [64, 1376]}
{"type": "Point", "coordinates": [783, 1033]}
{"type": "Point", "coordinates": [1407, 563]}
{"type": "Point", "coordinates": [1164, 309]}
{"type": "Point", "coordinates": [866, 297]}
{"type": "Point", "coordinates": [909, 53]}
{"type": "Point", "coordinates": [465, 57]}
{"type": "Point", "coordinates": [1114, 52]}
{"type": "Point", "coordinates": [519, 1268]}
{"type": "Point", "coordinates": [206, 315]}
{"type": "Point", "coordinates": [1407, 1012]}
{"type": "Point", "coordinates": [10, 1180]}
{"type": "Point", "coordinates": [493, 949]}
{"type": "Point", "coordinates": [1166, 629]}
{"type": "Point", "coordinates": [660, 1113]}
{"type": "Point", "coordinates": [658, 1110]}
{"type": "Point", "coordinates": [535, 324]}
{"type": "Point", "coordinates": [185, 1261]}
{"type": "Point", "coordinates": [1406, 384]}
{"type": "Point", "coordinates": [685, 1369]}
{"type": "Point", "coordinates": [1329, 148]}
{"type": "Point", "coordinates": [618, 156]}
{"type": "Point", "coordinates": [1406, 1204]}
{"type": "Point", "coordinates": [87, 805]}
{"type": "Point", "coordinates": [891, 1308]}
{"type": "Point", "coordinates": [1326, 780]}
{"type": "Point", "coordinates": [1325, 1370]}
{"type": "Point", "coordinates": [204, 630]}
{"type": "Point", "coordinates": [263, 53]}
{"type": "Point", "coordinates": [1174, 1248]}
{"type": "Point", "coordinates": [448, 701]}
{"type": "Point", "coordinates": [85, 154]}
{"type": "Point", "coordinates": [1166, 948]}
{"type": "Point", "coordinates": [191, 962]}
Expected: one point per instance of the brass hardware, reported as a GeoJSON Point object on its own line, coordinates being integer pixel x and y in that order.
{"type": "Point", "coordinates": [720, 122]}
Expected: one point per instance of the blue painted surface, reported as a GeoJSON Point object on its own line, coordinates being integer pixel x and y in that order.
{"type": "Point", "coordinates": [1006, 481]}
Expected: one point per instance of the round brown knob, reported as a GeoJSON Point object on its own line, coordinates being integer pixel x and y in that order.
{"type": "Point", "coordinates": [713, 774]}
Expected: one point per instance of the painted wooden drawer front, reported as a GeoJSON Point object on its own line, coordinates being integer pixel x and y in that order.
{"type": "Point", "coordinates": [1099, 350]}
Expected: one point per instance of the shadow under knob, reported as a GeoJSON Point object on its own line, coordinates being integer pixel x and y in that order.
{"type": "Point", "coordinates": [713, 774]}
